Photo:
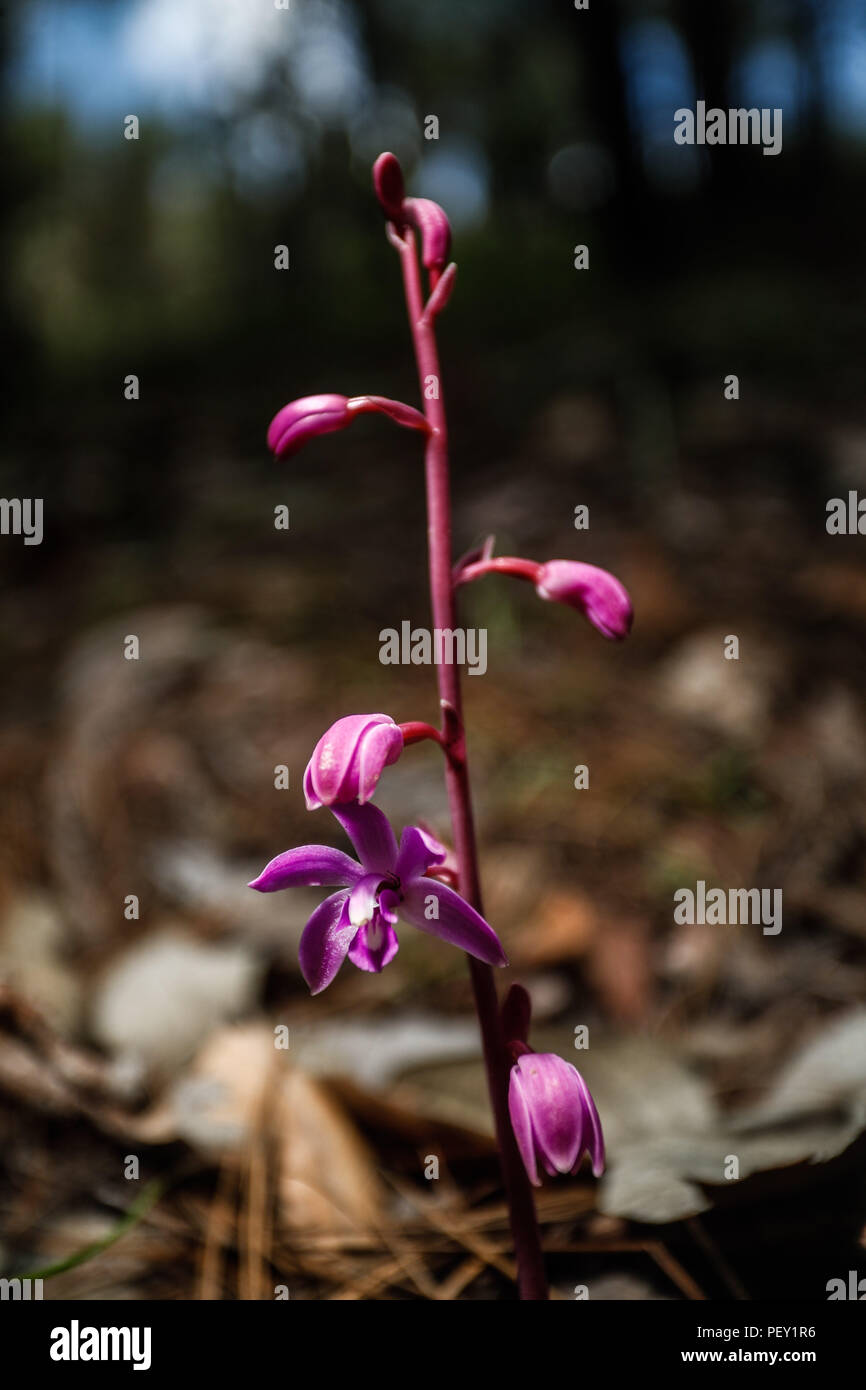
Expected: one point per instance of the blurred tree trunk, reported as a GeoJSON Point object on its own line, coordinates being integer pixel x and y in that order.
{"type": "Point", "coordinates": [712, 33]}
{"type": "Point", "coordinates": [630, 232]}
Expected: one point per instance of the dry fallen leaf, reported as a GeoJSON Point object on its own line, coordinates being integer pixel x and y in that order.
{"type": "Point", "coordinates": [241, 1086]}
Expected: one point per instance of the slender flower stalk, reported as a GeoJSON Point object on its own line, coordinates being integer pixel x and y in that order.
{"type": "Point", "coordinates": [532, 1281]}
{"type": "Point", "coordinates": [416, 731]}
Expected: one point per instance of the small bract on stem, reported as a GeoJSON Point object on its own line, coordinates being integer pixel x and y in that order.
{"type": "Point", "coordinates": [541, 1106]}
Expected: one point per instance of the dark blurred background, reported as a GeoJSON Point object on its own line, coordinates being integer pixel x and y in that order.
{"type": "Point", "coordinates": [605, 387]}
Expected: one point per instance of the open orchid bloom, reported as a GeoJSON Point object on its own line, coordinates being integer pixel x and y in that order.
{"type": "Point", "coordinates": [349, 759]}
{"type": "Point", "coordinates": [553, 1116]}
{"type": "Point", "coordinates": [385, 883]}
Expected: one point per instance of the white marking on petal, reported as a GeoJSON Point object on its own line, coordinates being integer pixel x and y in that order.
{"type": "Point", "coordinates": [327, 758]}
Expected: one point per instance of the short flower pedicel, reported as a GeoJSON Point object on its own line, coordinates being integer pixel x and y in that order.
{"type": "Point", "coordinates": [541, 1106]}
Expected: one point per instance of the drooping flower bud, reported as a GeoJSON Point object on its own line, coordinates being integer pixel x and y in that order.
{"type": "Point", "coordinates": [592, 591]}
{"type": "Point", "coordinates": [311, 415]}
{"type": "Point", "coordinates": [553, 1116]}
{"type": "Point", "coordinates": [302, 419]}
{"type": "Point", "coordinates": [389, 186]}
{"type": "Point", "coordinates": [433, 226]}
{"type": "Point", "coordinates": [349, 759]}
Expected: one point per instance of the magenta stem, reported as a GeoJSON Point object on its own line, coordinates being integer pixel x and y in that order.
{"type": "Point", "coordinates": [532, 1282]}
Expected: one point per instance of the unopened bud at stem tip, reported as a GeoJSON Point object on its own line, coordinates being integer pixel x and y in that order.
{"type": "Point", "coordinates": [389, 186]}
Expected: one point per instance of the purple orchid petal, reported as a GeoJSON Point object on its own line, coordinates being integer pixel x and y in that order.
{"type": "Point", "coordinates": [311, 865]}
{"type": "Point", "coordinates": [455, 921]}
{"type": "Point", "coordinates": [592, 591]}
{"type": "Point", "coordinates": [375, 946]}
{"type": "Point", "coordinates": [389, 903]}
{"type": "Point", "coordinates": [300, 420]}
{"type": "Point", "coordinates": [349, 758]}
{"type": "Point", "coordinates": [363, 899]}
{"type": "Point", "coordinates": [325, 942]}
{"type": "Point", "coordinates": [550, 1105]}
{"type": "Point", "coordinates": [380, 748]}
{"type": "Point", "coordinates": [419, 850]}
{"type": "Point", "coordinates": [595, 1138]}
{"type": "Point", "coordinates": [521, 1123]}
{"type": "Point", "coordinates": [329, 767]}
{"type": "Point", "coordinates": [313, 802]}
{"type": "Point", "coordinates": [438, 850]}
{"type": "Point", "coordinates": [556, 1108]}
{"type": "Point", "coordinates": [371, 834]}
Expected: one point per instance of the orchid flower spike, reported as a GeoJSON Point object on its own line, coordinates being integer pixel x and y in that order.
{"type": "Point", "coordinates": [308, 416]}
{"type": "Point", "coordinates": [350, 758]}
{"type": "Point", "coordinates": [385, 883]}
{"type": "Point", "coordinates": [594, 592]}
{"type": "Point", "coordinates": [553, 1116]}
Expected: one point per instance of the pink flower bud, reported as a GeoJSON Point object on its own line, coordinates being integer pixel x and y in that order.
{"type": "Point", "coordinates": [388, 183]}
{"type": "Point", "coordinates": [594, 592]}
{"type": "Point", "coordinates": [434, 228]}
{"type": "Point", "coordinates": [349, 759]}
{"type": "Point", "coordinates": [553, 1116]}
{"type": "Point", "coordinates": [302, 419]}
{"type": "Point", "coordinates": [311, 415]}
